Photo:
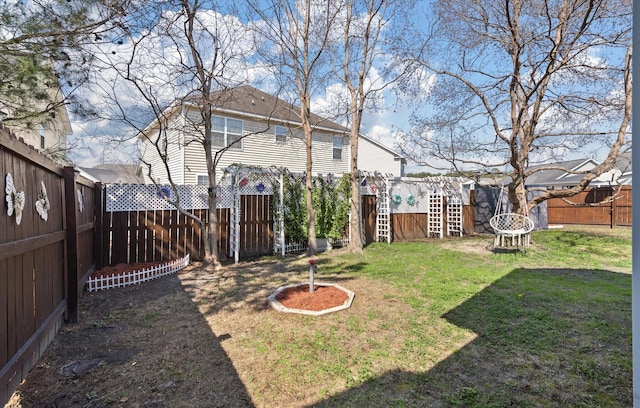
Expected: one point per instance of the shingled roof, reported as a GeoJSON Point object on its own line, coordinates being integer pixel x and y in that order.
{"type": "Point", "coordinates": [247, 100]}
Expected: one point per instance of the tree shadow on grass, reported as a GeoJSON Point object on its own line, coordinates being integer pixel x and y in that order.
{"type": "Point", "coordinates": [145, 346]}
{"type": "Point", "coordinates": [249, 284]}
{"type": "Point", "coordinates": [543, 337]}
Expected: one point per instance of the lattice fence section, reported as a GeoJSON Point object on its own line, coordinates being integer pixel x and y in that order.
{"type": "Point", "coordinates": [434, 215]}
{"type": "Point", "coordinates": [135, 277]}
{"type": "Point", "coordinates": [142, 197]}
{"type": "Point", "coordinates": [454, 216]}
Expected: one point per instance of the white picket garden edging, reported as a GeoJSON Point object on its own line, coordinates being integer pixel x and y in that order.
{"type": "Point", "coordinates": [135, 277]}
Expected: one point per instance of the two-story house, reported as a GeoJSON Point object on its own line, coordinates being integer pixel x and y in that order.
{"type": "Point", "coordinates": [42, 121]}
{"type": "Point", "coordinates": [267, 131]}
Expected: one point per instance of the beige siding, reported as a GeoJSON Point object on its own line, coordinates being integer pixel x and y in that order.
{"type": "Point", "coordinates": [259, 148]}
{"type": "Point", "coordinates": [175, 155]}
{"type": "Point", "coordinates": [373, 158]}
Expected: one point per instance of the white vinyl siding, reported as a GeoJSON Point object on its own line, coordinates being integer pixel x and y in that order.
{"type": "Point", "coordinates": [171, 142]}
{"type": "Point", "coordinates": [259, 149]}
{"type": "Point", "coordinates": [372, 157]}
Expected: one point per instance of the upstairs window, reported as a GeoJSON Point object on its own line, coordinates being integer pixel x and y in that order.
{"type": "Point", "coordinates": [337, 147]}
{"type": "Point", "coordinates": [42, 136]}
{"type": "Point", "coordinates": [281, 134]}
{"type": "Point", "coordinates": [225, 131]}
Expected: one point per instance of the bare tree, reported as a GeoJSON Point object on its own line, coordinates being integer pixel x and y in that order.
{"type": "Point", "coordinates": [299, 30]}
{"type": "Point", "coordinates": [189, 60]}
{"type": "Point", "coordinates": [370, 29]}
{"type": "Point", "coordinates": [522, 84]}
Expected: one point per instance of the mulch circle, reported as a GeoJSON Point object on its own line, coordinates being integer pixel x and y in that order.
{"type": "Point", "coordinates": [322, 298]}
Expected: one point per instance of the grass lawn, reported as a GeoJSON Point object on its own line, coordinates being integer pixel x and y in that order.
{"type": "Point", "coordinates": [448, 323]}
{"type": "Point", "coordinates": [443, 323]}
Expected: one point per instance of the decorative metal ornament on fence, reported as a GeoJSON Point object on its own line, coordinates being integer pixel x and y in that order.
{"type": "Point", "coordinates": [80, 200]}
{"type": "Point", "coordinates": [15, 199]}
{"type": "Point", "coordinates": [42, 203]}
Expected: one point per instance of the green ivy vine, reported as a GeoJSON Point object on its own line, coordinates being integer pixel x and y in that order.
{"type": "Point", "coordinates": [330, 199]}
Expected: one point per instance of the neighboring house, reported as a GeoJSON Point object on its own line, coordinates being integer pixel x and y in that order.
{"type": "Point", "coordinates": [271, 136]}
{"type": "Point", "coordinates": [114, 173]}
{"type": "Point", "coordinates": [624, 164]}
{"type": "Point", "coordinates": [46, 131]}
{"type": "Point", "coordinates": [556, 179]}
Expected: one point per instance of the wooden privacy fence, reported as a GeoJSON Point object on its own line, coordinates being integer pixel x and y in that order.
{"type": "Point", "coordinates": [431, 207]}
{"type": "Point", "coordinates": [583, 209]}
{"type": "Point", "coordinates": [139, 226]}
{"type": "Point", "coordinates": [158, 235]}
{"type": "Point", "coordinates": [46, 255]}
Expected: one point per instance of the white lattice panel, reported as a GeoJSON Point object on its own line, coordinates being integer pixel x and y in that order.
{"type": "Point", "coordinates": [434, 215]}
{"type": "Point", "coordinates": [140, 197]}
{"type": "Point", "coordinates": [454, 216]}
{"type": "Point", "coordinates": [257, 183]}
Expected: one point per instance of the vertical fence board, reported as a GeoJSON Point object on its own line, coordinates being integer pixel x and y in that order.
{"type": "Point", "coordinates": [133, 236]}
{"type": "Point", "coordinates": [173, 235]}
{"type": "Point", "coordinates": [4, 311]}
{"type": "Point", "coordinates": [119, 228]}
{"type": "Point", "coordinates": [98, 243]}
{"type": "Point", "coordinates": [73, 275]}
{"type": "Point", "coordinates": [13, 332]}
{"type": "Point", "coordinates": [29, 319]}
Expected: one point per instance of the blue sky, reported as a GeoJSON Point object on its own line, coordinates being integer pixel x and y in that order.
{"type": "Point", "coordinates": [109, 141]}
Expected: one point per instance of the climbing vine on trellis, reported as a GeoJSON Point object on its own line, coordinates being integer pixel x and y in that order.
{"type": "Point", "coordinates": [336, 196]}
{"type": "Point", "coordinates": [330, 199]}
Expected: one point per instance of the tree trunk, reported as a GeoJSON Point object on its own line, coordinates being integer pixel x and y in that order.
{"type": "Point", "coordinates": [210, 237]}
{"type": "Point", "coordinates": [312, 245]}
{"type": "Point", "coordinates": [355, 243]}
{"type": "Point", "coordinates": [355, 228]}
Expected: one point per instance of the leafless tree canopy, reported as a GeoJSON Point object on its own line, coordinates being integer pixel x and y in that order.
{"type": "Point", "coordinates": [523, 83]}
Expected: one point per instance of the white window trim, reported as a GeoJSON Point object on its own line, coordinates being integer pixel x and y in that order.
{"type": "Point", "coordinates": [286, 133]}
{"type": "Point", "coordinates": [334, 148]}
{"type": "Point", "coordinates": [236, 147]}
{"type": "Point", "coordinates": [201, 175]}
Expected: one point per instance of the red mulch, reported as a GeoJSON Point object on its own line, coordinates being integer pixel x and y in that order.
{"type": "Point", "coordinates": [322, 298]}
{"type": "Point", "coordinates": [123, 268]}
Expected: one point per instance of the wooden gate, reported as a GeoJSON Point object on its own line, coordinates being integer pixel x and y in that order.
{"type": "Point", "coordinates": [256, 226]}
{"type": "Point", "coordinates": [368, 203]}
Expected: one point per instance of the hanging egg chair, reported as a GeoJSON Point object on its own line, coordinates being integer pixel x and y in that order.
{"type": "Point", "coordinates": [511, 229]}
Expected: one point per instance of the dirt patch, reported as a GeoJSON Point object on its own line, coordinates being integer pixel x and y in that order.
{"type": "Point", "coordinates": [139, 346]}
{"type": "Point", "coordinates": [477, 245]}
{"type": "Point", "coordinates": [187, 340]}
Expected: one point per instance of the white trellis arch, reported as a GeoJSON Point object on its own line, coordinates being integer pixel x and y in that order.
{"type": "Point", "coordinates": [256, 181]}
